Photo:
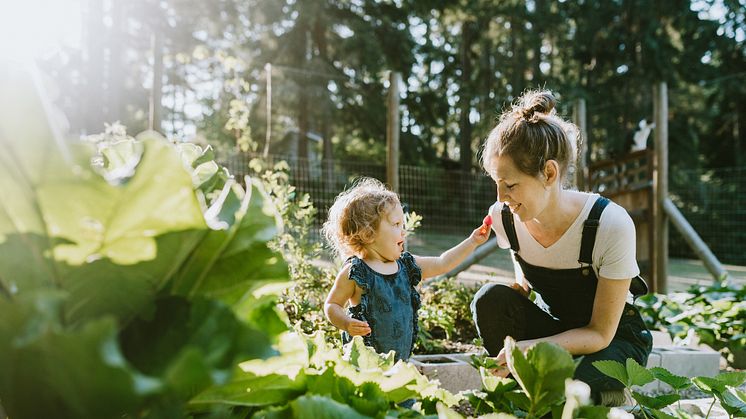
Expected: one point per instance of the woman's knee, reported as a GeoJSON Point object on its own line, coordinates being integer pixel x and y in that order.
{"type": "Point", "coordinates": [492, 303]}
{"type": "Point", "coordinates": [492, 296]}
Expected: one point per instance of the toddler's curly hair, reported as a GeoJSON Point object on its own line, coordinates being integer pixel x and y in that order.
{"type": "Point", "coordinates": [355, 216]}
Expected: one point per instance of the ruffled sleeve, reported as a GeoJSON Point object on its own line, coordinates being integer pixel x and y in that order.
{"type": "Point", "coordinates": [358, 274]}
{"type": "Point", "coordinates": [415, 273]}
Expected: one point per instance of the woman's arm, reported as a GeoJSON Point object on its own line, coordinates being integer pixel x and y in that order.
{"type": "Point", "coordinates": [342, 291]}
{"type": "Point", "coordinates": [611, 294]}
{"type": "Point", "coordinates": [437, 265]}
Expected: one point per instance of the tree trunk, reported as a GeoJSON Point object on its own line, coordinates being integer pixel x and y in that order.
{"type": "Point", "coordinates": [519, 58]}
{"type": "Point", "coordinates": [115, 84]}
{"type": "Point", "coordinates": [467, 39]}
{"type": "Point", "coordinates": [94, 119]}
{"type": "Point", "coordinates": [156, 92]}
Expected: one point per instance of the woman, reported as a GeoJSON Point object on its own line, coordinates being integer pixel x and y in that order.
{"type": "Point", "coordinates": [576, 249]}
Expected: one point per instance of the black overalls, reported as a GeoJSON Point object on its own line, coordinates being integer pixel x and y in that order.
{"type": "Point", "coordinates": [501, 311]}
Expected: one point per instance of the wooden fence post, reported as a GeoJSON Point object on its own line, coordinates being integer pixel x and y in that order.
{"type": "Point", "coordinates": [660, 185]}
{"type": "Point", "coordinates": [392, 132]}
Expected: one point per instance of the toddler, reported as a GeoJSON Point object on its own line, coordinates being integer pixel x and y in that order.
{"type": "Point", "coordinates": [378, 279]}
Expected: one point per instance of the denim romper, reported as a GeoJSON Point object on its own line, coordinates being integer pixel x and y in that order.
{"type": "Point", "coordinates": [389, 304]}
{"type": "Point", "coordinates": [500, 311]}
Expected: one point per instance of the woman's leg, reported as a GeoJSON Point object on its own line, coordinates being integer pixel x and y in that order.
{"type": "Point", "coordinates": [632, 340]}
{"type": "Point", "coordinates": [501, 311]}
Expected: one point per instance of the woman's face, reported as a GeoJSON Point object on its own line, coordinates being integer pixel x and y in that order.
{"type": "Point", "coordinates": [526, 195]}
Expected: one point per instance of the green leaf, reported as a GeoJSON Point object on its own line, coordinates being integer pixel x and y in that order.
{"type": "Point", "coordinates": [292, 360]}
{"type": "Point", "coordinates": [708, 385]}
{"type": "Point", "coordinates": [366, 358]}
{"type": "Point", "coordinates": [676, 382]}
{"type": "Point", "coordinates": [638, 375]}
{"type": "Point", "coordinates": [657, 402]}
{"type": "Point", "coordinates": [494, 384]}
{"type": "Point", "coordinates": [369, 400]}
{"type": "Point", "coordinates": [275, 412]}
{"type": "Point", "coordinates": [233, 261]}
{"type": "Point", "coordinates": [613, 369]}
{"type": "Point", "coordinates": [322, 407]}
{"type": "Point", "coordinates": [120, 160]}
{"type": "Point", "coordinates": [52, 372]}
{"type": "Point", "coordinates": [732, 378]}
{"type": "Point", "coordinates": [541, 374]}
{"type": "Point", "coordinates": [329, 384]}
{"type": "Point", "coordinates": [658, 414]}
{"type": "Point", "coordinates": [444, 412]}
{"type": "Point", "coordinates": [193, 329]}
{"type": "Point", "coordinates": [593, 412]}
{"type": "Point", "coordinates": [264, 314]}
{"type": "Point", "coordinates": [733, 401]}
{"type": "Point", "coordinates": [253, 391]}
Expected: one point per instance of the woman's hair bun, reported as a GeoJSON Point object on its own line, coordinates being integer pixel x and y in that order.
{"type": "Point", "coordinates": [540, 101]}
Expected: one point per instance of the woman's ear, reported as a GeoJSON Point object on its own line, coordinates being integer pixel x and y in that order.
{"type": "Point", "coordinates": [551, 172]}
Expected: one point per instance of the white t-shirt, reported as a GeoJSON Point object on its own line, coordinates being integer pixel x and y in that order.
{"type": "Point", "coordinates": [614, 253]}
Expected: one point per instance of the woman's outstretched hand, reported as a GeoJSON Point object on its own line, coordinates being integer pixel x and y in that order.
{"type": "Point", "coordinates": [501, 370]}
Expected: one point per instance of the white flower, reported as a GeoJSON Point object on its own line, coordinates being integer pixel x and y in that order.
{"type": "Point", "coordinates": [616, 413]}
{"type": "Point", "coordinates": [577, 390]}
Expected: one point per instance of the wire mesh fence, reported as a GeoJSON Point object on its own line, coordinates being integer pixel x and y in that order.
{"type": "Point", "coordinates": [450, 201]}
{"type": "Point", "coordinates": [713, 203]}
{"type": "Point", "coordinates": [454, 202]}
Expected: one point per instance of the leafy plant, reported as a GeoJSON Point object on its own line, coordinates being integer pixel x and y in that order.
{"type": "Point", "coordinates": [309, 376]}
{"type": "Point", "coordinates": [716, 314]}
{"type": "Point", "coordinates": [445, 315]}
{"type": "Point", "coordinates": [541, 373]}
{"type": "Point", "coordinates": [126, 289]}
{"type": "Point", "coordinates": [303, 299]}
{"type": "Point", "coordinates": [723, 387]}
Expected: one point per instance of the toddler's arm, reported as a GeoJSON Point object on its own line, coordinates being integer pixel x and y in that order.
{"type": "Point", "coordinates": [437, 265]}
{"type": "Point", "coordinates": [341, 292]}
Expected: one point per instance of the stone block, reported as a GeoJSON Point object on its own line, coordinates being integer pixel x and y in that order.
{"type": "Point", "coordinates": [454, 371]}
{"type": "Point", "coordinates": [684, 361]}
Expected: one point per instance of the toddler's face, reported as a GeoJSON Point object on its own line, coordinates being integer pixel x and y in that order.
{"type": "Point", "coordinates": [389, 242]}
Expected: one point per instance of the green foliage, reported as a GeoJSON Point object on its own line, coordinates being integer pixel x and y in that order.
{"type": "Point", "coordinates": [118, 273]}
{"type": "Point", "coordinates": [631, 374]}
{"type": "Point", "coordinates": [716, 314]}
{"type": "Point", "coordinates": [309, 374]}
{"type": "Point", "coordinates": [541, 373]}
{"type": "Point", "coordinates": [723, 387]}
{"type": "Point", "coordinates": [303, 300]}
{"type": "Point", "coordinates": [445, 315]}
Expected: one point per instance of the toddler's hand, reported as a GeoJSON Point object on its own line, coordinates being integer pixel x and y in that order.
{"type": "Point", "coordinates": [486, 224]}
{"type": "Point", "coordinates": [482, 233]}
{"type": "Point", "coordinates": [357, 328]}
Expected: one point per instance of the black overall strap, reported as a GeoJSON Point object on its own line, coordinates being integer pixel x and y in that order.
{"type": "Point", "coordinates": [509, 226]}
{"type": "Point", "coordinates": [590, 227]}
{"type": "Point", "coordinates": [637, 286]}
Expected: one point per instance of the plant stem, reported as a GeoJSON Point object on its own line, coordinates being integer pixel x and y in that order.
{"type": "Point", "coordinates": [710, 409]}
{"type": "Point", "coordinates": [642, 409]}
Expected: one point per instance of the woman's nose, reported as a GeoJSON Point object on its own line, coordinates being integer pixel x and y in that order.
{"type": "Point", "coordinates": [501, 193]}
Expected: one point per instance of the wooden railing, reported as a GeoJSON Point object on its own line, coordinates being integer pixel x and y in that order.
{"type": "Point", "coordinates": [628, 181]}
